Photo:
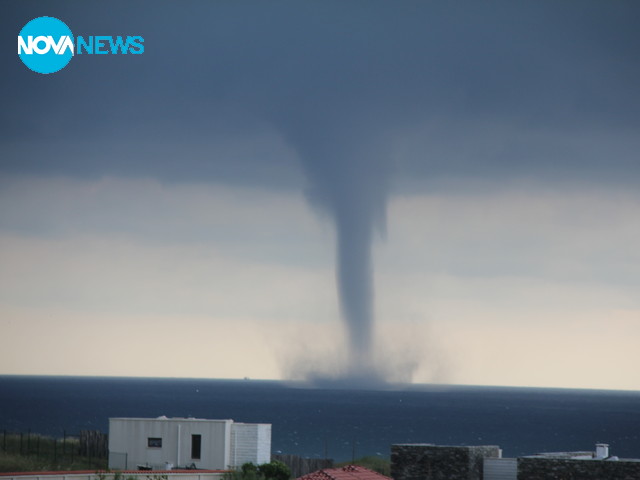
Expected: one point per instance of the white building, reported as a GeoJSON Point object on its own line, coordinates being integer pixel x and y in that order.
{"type": "Point", "coordinates": [165, 443]}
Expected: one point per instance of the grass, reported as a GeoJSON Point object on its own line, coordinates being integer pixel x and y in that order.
{"type": "Point", "coordinates": [35, 453]}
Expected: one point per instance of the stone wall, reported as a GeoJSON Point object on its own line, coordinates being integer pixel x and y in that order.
{"type": "Point", "coordinates": [434, 462]}
{"type": "Point", "coordinates": [567, 469]}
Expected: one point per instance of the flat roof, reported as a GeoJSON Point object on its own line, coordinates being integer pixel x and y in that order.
{"type": "Point", "coordinates": [580, 459]}
{"type": "Point", "coordinates": [442, 446]}
{"type": "Point", "coordinates": [169, 419]}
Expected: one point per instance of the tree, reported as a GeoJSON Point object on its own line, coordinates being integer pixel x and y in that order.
{"type": "Point", "coordinates": [274, 470]}
{"type": "Point", "coordinates": [267, 471]}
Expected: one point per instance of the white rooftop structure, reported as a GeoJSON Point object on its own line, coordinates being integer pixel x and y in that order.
{"type": "Point", "coordinates": [165, 443]}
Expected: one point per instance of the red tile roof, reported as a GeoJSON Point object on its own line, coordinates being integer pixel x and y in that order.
{"type": "Point", "coordinates": [350, 472]}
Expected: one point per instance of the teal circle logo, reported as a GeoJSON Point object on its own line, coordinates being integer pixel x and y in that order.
{"type": "Point", "coordinates": [45, 45]}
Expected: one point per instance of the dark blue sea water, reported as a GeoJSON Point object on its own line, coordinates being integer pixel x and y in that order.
{"type": "Point", "coordinates": [307, 421]}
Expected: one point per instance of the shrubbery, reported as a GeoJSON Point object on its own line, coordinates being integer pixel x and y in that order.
{"type": "Point", "coordinates": [273, 470]}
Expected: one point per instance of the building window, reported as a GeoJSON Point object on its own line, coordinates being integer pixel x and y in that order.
{"type": "Point", "coordinates": [196, 444]}
{"type": "Point", "coordinates": [154, 442]}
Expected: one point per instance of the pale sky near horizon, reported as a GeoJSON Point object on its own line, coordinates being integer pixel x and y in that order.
{"type": "Point", "coordinates": [159, 213]}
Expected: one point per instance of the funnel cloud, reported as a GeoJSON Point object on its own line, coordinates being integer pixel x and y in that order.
{"type": "Point", "coordinates": [349, 181]}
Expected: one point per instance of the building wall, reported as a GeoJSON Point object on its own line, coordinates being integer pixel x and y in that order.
{"type": "Point", "coordinates": [500, 469]}
{"type": "Point", "coordinates": [250, 442]}
{"type": "Point", "coordinates": [433, 462]}
{"type": "Point", "coordinates": [129, 436]}
{"type": "Point", "coordinates": [264, 444]}
{"type": "Point", "coordinates": [568, 469]}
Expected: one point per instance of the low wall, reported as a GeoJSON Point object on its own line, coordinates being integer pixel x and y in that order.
{"type": "Point", "coordinates": [569, 469]}
{"type": "Point", "coordinates": [435, 462]}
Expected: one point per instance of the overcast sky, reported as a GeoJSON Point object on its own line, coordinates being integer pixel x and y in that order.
{"type": "Point", "coordinates": [173, 213]}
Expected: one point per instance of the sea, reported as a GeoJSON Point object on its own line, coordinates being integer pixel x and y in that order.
{"type": "Point", "coordinates": [338, 423]}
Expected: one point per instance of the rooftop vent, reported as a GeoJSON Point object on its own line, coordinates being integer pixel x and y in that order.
{"type": "Point", "coordinates": [602, 451]}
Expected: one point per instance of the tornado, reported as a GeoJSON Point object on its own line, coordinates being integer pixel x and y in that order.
{"type": "Point", "coordinates": [354, 278]}
{"type": "Point", "coordinates": [348, 181]}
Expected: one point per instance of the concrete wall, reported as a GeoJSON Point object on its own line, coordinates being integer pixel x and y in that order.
{"type": "Point", "coordinates": [130, 436]}
{"type": "Point", "coordinates": [434, 462]}
{"type": "Point", "coordinates": [250, 442]}
{"type": "Point", "coordinates": [568, 469]}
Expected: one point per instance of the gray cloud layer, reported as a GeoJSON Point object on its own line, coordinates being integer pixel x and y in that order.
{"type": "Point", "coordinates": [455, 75]}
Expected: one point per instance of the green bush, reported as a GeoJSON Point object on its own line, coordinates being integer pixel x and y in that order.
{"type": "Point", "coordinates": [249, 470]}
{"type": "Point", "coordinates": [267, 471]}
{"type": "Point", "coordinates": [274, 470]}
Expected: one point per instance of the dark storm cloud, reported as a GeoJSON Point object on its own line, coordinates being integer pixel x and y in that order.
{"type": "Point", "coordinates": [216, 72]}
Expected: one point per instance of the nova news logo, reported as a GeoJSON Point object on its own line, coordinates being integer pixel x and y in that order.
{"type": "Point", "coordinates": [46, 45]}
